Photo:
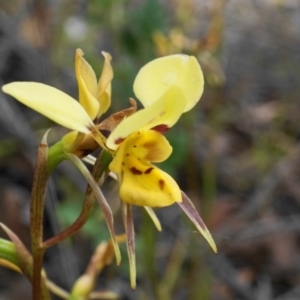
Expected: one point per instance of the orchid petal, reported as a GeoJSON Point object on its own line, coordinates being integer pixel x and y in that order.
{"type": "Point", "coordinates": [165, 112]}
{"type": "Point", "coordinates": [104, 85]}
{"type": "Point", "coordinates": [148, 145]}
{"type": "Point", "coordinates": [147, 185]}
{"type": "Point", "coordinates": [145, 145]}
{"type": "Point", "coordinates": [52, 103]}
{"type": "Point", "coordinates": [189, 208]}
{"type": "Point", "coordinates": [87, 85]}
{"type": "Point", "coordinates": [179, 70]}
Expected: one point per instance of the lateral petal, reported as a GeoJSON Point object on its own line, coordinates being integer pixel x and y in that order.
{"type": "Point", "coordinates": [52, 103]}
{"type": "Point", "coordinates": [165, 112]}
{"type": "Point", "coordinates": [87, 85]}
{"type": "Point", "coordinates": [179, 70]}
{"type": "Point", "coordinates": [148, 145]}
{"type": "Point", "coordinates": [145, 145]}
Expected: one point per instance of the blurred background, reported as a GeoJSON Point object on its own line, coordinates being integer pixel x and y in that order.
{"type": "Point", "coordinates": [237, 154]}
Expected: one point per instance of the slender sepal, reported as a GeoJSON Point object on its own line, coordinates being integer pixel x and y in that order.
{"type": "Point", "coordinates": [101, 200]}
{"type": "Point", "coordinates": [189, 208]}
{"type": "Point", "coordinates": [129, 230]}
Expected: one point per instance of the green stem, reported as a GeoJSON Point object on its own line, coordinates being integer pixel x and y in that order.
{"type": "Point", "coordinates": [41, 175]}
{"type": "Point", "coordinates": [38, 256]}
{"type": "Point", "coordinates": [56, 155]}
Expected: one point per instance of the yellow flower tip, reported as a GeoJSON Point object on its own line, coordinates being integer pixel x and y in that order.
{"type": "Point", "coordinates": [87, 85]}
{"type": "Point", "coordinates": [190, 210]}
{"type": "Point", "coordinates": [83, 286]}
{"type": "Point", "coordinates": [206, 234]}
{"type": "Point", "coordinates": [79, 52]}
{"type": "Point", "coordinates": [106, 55]}
{"type": "Point", "coordinates": [103, 93]}
{"type": "Point", "coordinates": [153, 217]}
{"type": "Point", "coordinates": [133, 279]}
{"type": "Point", "coordinates": [179, 70]}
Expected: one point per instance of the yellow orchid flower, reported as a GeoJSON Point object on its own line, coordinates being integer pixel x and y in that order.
{"type": "Point", "coordinates": [94, 99]}
{"type": "Point", "coordinates": [167, 87]}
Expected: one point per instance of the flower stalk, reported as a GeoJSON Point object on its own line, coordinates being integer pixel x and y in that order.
{"type": "Point", "coordinates": [37, 204]}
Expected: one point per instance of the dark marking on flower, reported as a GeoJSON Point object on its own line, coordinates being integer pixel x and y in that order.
{"type": "Point", "coordinates": [149, 170]}
{"type": "Point", "coordinates": [127, 154]}
{"type": "Point", "coordinates": [135, 171]}
{"type": "Point", "coordinates": [162, 128]}
{"type": "Point", "coordinates": [150, 144]}
{"type": "Point", "coordinates": [134, 146]}
{"type": "Point", "coordinates": [123, 164]}
{"type": "Point", "coordinates": [105, 132]}
{"type": "Point", "coordinates": [161, 184]}
{"type": "Point", "coordinates": [119, 141]}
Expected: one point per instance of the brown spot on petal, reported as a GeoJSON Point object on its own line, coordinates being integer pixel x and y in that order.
{"type": "Point", "coordinates": [149, 170]}
{"type": "Point", "coordinates": [119, 141]}
{"type": "Point", "coordinates": [162, 128]}
{"type": "Point", "coordinates": [150, 145]}
{"type": "Point", "coordinates": [161, 184]}
{"type": "Point", "coordinates": [135, 171]}
{"type": "Point", "coordinates": [105, 132]}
